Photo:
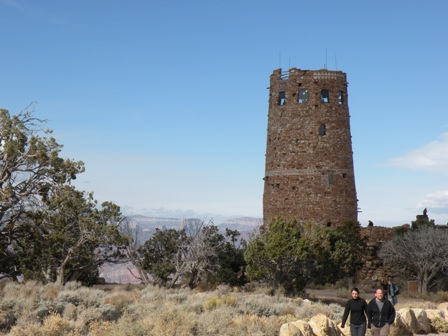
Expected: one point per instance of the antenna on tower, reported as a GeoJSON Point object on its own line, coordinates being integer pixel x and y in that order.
{"type": "Point", "coordinates": [279, 59]}
{"type": "Point", "coordinates": [325, 66]}
{"type": "Point", "coordinates": [335, 61]}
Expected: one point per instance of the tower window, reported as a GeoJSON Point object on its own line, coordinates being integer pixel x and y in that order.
{"type": "Point", "coordinates": [282, 98]}
{"type": "Point", "coordinates": [303, 97]}
{"type": "Point", "coordinates": [322, 130]}
{"type": "Point", "coordinates": [341, 98]}
{"type": "Point", "coordinates": [325, 96]}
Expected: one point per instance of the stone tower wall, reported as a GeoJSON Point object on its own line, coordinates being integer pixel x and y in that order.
{"type": "Point", "coordinates": [309, 160]}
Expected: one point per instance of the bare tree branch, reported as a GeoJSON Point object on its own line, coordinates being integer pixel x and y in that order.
{"type": "Point", "coordinates": [420, 253]}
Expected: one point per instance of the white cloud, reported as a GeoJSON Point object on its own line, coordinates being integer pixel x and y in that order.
{"type": "Point", "coordinates": [432, 157]}
{"type": "Point", "coordinates": [436, 202]}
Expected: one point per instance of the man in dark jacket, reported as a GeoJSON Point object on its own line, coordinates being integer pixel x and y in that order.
{"type": "Point", "coordinates": [380, 314]}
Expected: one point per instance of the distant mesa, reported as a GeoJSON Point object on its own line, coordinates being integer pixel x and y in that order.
{"type": "Point", "coordinates": [250, 221]}
{"type": "Point", "coordinates": [149, 224]}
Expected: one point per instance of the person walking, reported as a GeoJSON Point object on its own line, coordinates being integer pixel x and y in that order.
{"type": "Point", "coordinates": [393, 292]}
{"type": "Point", "coordinates": [356, 307]}
{"type": "Point", "coordinates": [380, 314]}
{"type": "Point", "coordinates": [385, 287]}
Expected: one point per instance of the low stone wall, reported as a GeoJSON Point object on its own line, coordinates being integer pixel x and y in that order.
{"type": "Point", "coordinates": [373, 270]}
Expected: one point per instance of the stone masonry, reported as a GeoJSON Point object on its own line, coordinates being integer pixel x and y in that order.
{"type": "Point", "coordinates": [372, 269]}
{"type": "Point", "coordinates": [309, 160]}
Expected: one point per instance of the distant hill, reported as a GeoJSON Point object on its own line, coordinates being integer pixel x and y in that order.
{"type": "Point", "coordinates": [148, 225]}
{"type": "Point", "coordinates": [153, 222]}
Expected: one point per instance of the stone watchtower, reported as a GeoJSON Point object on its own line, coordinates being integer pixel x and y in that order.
{"type": "Point", "coordinates": [309, 159]}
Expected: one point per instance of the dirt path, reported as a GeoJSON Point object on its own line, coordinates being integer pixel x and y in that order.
{"type": "Point", "coordinates": [330, 295]}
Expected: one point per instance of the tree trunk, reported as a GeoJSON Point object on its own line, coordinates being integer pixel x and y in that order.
{"type": "Point", "coordinates": [193, 279]}
{"type": "Point", "coordinates": [174, 280]}
{"type": "Point", "coordinates": [60, 279]}
{"type": "Point", "coordinates": [143, 275]}
{"type": "Point", "coordinates": [424, 285]}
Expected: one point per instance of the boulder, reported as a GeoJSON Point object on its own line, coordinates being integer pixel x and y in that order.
{"type": "Point", "coordinates": [413, 319]}
{"type": "Point", "coordinates": [323, 326]}
{"type": "Point", "coordinates": [289, 329]}
{"type": "Point", "coordinates": [423, 326]}
{"type": "Point", "coordinates": [408, 318]}
{"type": "Point", "coordinates": [346, 330]}
{"type": "Point", "coordinates": [319, 325]}
{"type": "Point", "coordinates": [408, 322]}
{"type": "Point", "coordinates": [444, 308]}
{"type": "Point", "coordinates": [297, 328]}
{"type": "Point", "coordinates": [400, 328]}
{"type": "Point", "coordinates": [433, 313]}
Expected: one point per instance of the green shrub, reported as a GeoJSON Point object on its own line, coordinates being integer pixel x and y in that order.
{"type": "Point", "coordinates": [216, 322]}
{"type": "Point", "coordinates": [120, 300]}
{"type": "Point", "coordinates": [258, 306]}
{"type": "Point", "coordinates": [70, 312]}
{"type": "Point", "coordinates": [50, 291]}
{"type": "Point", "coordinates": [215, 302]}
{"type": "Point", "coordinates": [86, 297]}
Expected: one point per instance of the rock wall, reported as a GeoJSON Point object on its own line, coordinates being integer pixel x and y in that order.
{"type": "Point", "coordinates": [373, 270]}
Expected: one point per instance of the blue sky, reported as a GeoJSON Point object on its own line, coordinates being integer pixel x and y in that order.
{"type": "Point", "coordinates": [166, 101]}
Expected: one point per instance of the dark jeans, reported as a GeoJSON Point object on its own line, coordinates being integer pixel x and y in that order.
{"type": "Point", "coordinates": [394, 299]}
{"type": "Point", "coordinates": [358, 329]}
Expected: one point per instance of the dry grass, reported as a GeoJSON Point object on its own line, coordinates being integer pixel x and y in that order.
{"type": "Point", "coordinates": [439, 325]}
{"type": "Point", "coordinates": [438, 297]}
{"type": "Point", "coordinates": [33, 309]}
